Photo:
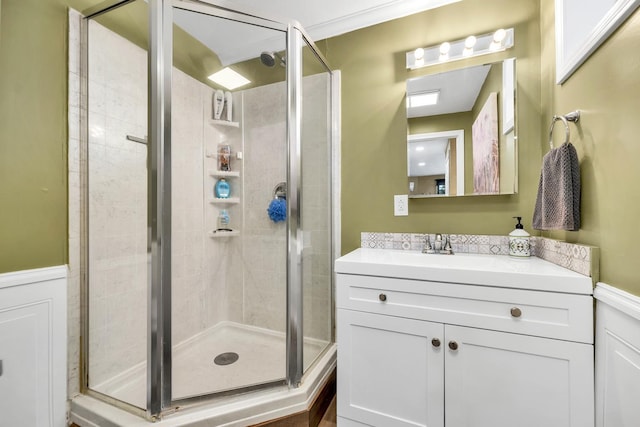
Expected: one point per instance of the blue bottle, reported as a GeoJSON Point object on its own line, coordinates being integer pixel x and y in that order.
{"type": "Point", "coordinates": [222, 189]}
{"type": "Point", "coordinates": [223, 220]}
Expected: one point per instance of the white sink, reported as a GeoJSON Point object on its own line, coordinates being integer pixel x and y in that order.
{"type": "Point", "coordinates": [530, 273]}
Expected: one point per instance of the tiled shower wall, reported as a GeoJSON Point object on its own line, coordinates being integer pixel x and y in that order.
{"type": "Point", "coordinates": [265, 245]}
{"type": "Point", "coordinates": [264, 242]}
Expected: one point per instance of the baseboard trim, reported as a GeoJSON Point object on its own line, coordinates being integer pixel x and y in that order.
{"type": "Point", "coordinates": [620, 300]}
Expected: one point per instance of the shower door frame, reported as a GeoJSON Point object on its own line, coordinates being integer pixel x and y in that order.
{"type": "Point", "coordinates": [159, 345]}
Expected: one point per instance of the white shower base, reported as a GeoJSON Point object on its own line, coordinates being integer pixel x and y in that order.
{"type": "Point", "coordinates": [262, 359]}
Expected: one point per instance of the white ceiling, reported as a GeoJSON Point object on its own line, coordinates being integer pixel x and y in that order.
{"type": "Point", "coordinates": [234, 42]}
{"type": "Point", "coordinates": [459, 90]}
{"type": "Point", "coordinates": [431, 152]}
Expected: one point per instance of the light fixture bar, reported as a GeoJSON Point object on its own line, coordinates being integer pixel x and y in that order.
{"type": "Point", "coordinates": [497, 41]}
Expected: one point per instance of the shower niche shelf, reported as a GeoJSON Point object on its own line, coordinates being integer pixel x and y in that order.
{"type": "Point", "coordinates": [215, 234]}
{"type": "Point", "coordinates": [225, 174]}
{"type": "Point", "coordinates": [225, 123]}
{"type": "Point", "coordinates": [227, 201]}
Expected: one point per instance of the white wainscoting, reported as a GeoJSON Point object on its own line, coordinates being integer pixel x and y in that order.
{"type": "Point", "coordinates": [617, 357]}
{"type": "Point", "coordinates": [33, 347]}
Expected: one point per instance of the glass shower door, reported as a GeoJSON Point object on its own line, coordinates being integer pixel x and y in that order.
{"type": "Point", "coordinates": [316, 206]}
{"type": "Point", "coordinates": [116, 206]}
{"type": "Point", "coordinates": [228, 275]}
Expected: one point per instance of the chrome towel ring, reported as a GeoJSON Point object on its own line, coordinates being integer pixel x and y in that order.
{"type": "Point", "coordinates": [573, 116]}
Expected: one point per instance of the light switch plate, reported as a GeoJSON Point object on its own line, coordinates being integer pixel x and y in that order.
{"type": "Point", "coordinates": [401, 205]}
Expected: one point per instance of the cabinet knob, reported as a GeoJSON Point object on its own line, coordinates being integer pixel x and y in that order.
{"type": "Point", "coordinates": [516, 312]}
{"type": "Point", "coordinates": [435, 342]}
{"type": "Point", "coordinates": [453, 345]}
{"type": "Point", "coordinates": [382, 297]}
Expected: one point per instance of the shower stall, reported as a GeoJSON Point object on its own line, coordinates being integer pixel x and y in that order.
{"type": "Point", "coordinates": [190, 295]}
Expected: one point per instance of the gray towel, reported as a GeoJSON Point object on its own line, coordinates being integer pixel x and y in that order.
{"type": "Point", "coordinates": [558, 202]}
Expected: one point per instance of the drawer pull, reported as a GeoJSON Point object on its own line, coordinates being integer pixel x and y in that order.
{"type": "Point", "coordinates": [516, 312]}
{"type": "Point", "coordinates": [435, 342]}
{"type": "Point", "coordinates": [453, 345]}
{"type": "Point", "coordinates": [382, 297]}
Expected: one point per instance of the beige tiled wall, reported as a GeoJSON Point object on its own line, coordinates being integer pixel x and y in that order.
{"type": "Point", "coordinates": [264, 242]}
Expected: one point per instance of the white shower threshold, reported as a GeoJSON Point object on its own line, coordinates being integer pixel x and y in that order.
{"type": "Point", "coordinates": [261, 359]}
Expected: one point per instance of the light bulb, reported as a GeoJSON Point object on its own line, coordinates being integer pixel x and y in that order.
{"type": "Point", "coordinates": [444, 48]}
{"type": "Point", "coordinates": [418, 53]}
{"type": "Point", "coordinates": [499, 35]}
{"type": "Point", "coordinates": [470, 42]}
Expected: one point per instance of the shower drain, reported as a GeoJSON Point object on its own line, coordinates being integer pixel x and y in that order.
{"type": "Point", "coordinates": [226, 358]}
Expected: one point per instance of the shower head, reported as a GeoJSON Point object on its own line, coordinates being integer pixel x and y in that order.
{"type": "Point", "coordinates": [269, 59]}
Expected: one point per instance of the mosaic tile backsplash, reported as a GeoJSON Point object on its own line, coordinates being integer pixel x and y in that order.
{"type": "Point", "coordinates": [579, 258]}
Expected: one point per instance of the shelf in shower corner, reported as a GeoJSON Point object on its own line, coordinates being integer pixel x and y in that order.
{"type": "Point", "coordinates": [227, 201]}
{"type": "Point", "coordinates": [217, 234]}
{"type": "Point", "coordinates": [225, 123]}
{"type": "Point", "coordinates": [224, 173]}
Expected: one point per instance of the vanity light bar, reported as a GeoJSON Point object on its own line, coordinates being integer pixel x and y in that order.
{"type": "Point", "coordinates": [497, 41]}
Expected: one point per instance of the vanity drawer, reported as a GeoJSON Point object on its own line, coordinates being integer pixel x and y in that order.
{"type": "Point", "coordinates": [545, 314]}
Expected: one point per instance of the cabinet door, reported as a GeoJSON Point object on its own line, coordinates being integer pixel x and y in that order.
{"type": "Point", "coordinates": [497, 379]}
{"type": "Point", "coordinates": [389, 371]}
{"type": "Point", "coordinates": [25, 366]}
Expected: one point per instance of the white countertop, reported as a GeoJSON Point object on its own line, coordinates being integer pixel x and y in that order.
{"type": "Point", "coordinates": [486, 270]}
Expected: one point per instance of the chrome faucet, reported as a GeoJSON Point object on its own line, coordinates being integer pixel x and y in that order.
{"type": "Point", "coordinates": [441, 245]}
{"type": "Point", "coordinates": [437, 244]}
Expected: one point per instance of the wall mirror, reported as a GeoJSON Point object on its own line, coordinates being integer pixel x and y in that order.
{"type": "Point", "coordinates": [461, 132]}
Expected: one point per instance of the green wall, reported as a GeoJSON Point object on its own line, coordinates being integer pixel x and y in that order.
{"type": "Point", "coordinates": [606, 89]}
{"type": "Point", "coordinates": [33, 133]}
{"type": "Point", "coordinates": [374, 127]}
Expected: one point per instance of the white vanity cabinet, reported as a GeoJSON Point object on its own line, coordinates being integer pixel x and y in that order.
{"type": "Point", "coordinates": [475, 353]}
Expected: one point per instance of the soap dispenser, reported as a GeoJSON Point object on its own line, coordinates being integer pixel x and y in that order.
{"type": "Point", "coordinates": [519, 245]}
{"type": "Point", "coordinates": [222, 189]}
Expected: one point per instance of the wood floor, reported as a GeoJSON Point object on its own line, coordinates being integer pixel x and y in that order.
{"type": "Point", "coordinates": [329, 417]}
